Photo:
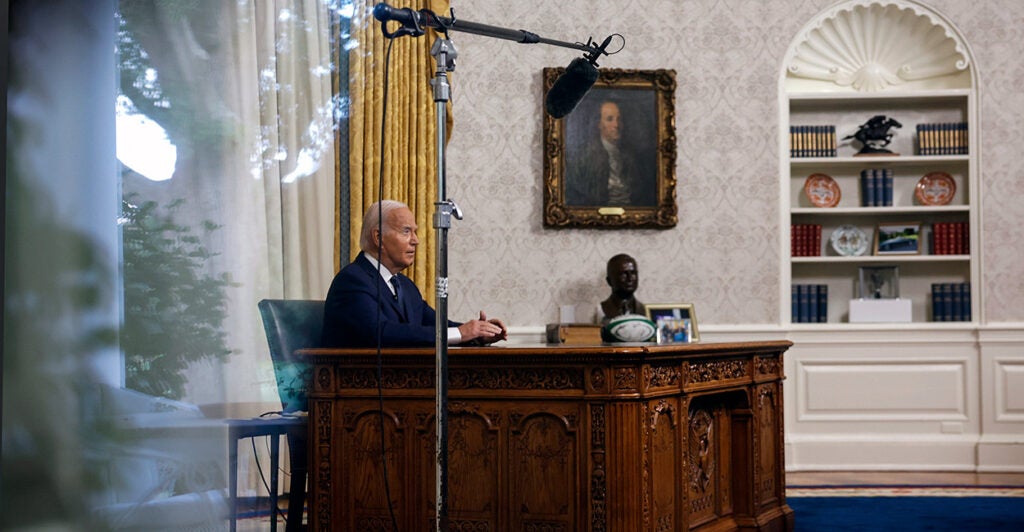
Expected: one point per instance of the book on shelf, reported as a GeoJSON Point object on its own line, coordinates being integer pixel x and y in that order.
{"type": "Point", "coordinates": [809, 303]}
{"type": "Point", "coordinates": [951, 238]}
{"type": "Point", "coordinates": [965, 306]}
{"type": "Point", "coordinates": [812, 141]}
{"type": "Point", "coordinates": [951, 301]}
{"type": "Point", "coordinates": [822, 314]}
{"type": "Point", "coordinates": [805, 240]}
{"type": "Point", "coordinates": [887, 184]}
{"type": "Point", "coordinates": [946, 138]}
{"type": "Point", "coordinates": [876, 186]}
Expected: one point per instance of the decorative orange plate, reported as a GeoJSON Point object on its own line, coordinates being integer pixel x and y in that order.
{"type": "Point", "coordinates": [936, 188]}
{"type": "Point", "coordinates": [822, 190]}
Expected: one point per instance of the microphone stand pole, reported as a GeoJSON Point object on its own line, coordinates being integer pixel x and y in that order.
{"type": "Point", "coordinates": [444, 55]}
{"type": "Point", "coordinates": [444, 209]}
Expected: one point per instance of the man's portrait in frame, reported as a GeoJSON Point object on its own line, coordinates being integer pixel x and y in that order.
{"type": "Point", "coordinates": [611, 161]}
{"type": "Point", "coordinates": [610, 150]}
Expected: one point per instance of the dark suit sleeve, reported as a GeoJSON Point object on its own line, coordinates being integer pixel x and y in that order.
{"type": "Point", "coordinates": [351, 315]}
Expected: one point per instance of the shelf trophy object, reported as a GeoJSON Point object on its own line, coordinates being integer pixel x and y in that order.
{"type": "Point", "coordinates": [874, 135]}
{"type": "Point", "coordinates": [562, 98]}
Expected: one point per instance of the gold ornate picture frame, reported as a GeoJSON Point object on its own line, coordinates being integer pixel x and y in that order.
{"type": "Point", "coordinates": [613, 175]}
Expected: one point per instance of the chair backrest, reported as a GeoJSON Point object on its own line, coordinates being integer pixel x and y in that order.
{"type": "Point", "coordinates": [292, 324]}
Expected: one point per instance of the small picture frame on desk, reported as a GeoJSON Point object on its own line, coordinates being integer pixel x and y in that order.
{"type": "Point", "coordinates": [902, 238]}
{"type": "Point", "coordinates": [675, 322]}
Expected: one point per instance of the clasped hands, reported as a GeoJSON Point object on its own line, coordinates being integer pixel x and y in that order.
{"type": "Point", "coordinates": [483, 331]}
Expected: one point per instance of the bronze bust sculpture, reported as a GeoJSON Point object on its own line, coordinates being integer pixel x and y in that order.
{"type": "Point", "coordinates": [623, 277]}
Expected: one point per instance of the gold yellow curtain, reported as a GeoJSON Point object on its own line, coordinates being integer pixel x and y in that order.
{"type": "Point", "coordinates": [410, 158]}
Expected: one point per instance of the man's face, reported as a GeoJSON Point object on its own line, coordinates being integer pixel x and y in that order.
{"type": "Point", "coordinates": [400, 240]}
{"type": "Point", "coordinates": [609, 124]}
{"type": "Point", "coordinates": [623, 277]}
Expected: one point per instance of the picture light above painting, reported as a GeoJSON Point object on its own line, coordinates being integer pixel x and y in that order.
{"type": "Point", "coordinates": [610, 163]}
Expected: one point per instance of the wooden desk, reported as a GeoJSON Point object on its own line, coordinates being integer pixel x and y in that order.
{"type": "Point", "coordinates": [601, 438]}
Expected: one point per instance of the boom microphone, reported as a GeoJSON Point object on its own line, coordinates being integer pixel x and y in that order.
{"type": "Point", "coordinates": [570, 87]}
{"type": "Point", "coordinates": [411, 21]}
{"type": "Point", "coordinates": [404, 16]}
{"type": "Point", "coordinates": [567, 91]}
{"type": "Point", "coordinates": [574, 83]}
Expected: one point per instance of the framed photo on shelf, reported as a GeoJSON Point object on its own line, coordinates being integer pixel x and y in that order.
{"type": "Point", "coordinates": [610, 162]}
{"type": "Point", "coordinates": [903, 238]}
{"type": "Point", "coordinates": [879, 282]}
{"type": "Point", "coordinates": [675, 323]}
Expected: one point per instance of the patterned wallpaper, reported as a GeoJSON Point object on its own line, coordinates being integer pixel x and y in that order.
{"type": "Point", "coordinates": [723, 256]}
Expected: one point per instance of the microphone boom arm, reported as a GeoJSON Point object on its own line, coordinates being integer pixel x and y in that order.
{"type": "Point", "coordinates": [413, 23]}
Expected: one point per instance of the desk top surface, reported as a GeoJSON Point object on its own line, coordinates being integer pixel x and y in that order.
{"type": "Point", "coordinates": [643, 350]}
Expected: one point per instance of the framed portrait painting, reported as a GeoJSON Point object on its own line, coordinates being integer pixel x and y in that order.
{"type": "Point", "coordinates": [610, 163]}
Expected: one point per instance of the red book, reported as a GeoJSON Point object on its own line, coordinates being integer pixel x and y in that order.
{"type": "Point", "coordinates": [955, 237]}
{"type": "Point", "coordinates": [966, 238]}
{"type": "Point", "coordinates": [939, 238]}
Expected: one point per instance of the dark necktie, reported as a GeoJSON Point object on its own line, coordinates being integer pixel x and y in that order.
{"type": "Point", "coordinates": [394, 283]}
{"type": "Point", "coordinates": [401, 304]}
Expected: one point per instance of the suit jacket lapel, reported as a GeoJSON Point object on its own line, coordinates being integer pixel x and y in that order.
{"type": "Point", "coordinates": [385, 290]}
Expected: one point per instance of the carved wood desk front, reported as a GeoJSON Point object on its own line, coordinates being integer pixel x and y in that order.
{"type": "Point", "coordinates": [601, 438]}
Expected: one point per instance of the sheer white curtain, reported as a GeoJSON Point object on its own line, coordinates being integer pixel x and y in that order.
{"type": "Point", "coordinates": [244, 90]}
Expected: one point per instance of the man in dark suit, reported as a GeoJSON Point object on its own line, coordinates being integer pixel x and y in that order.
{"type": "Point", "coordinates": [351, 314]}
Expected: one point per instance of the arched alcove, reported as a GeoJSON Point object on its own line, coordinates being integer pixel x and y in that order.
{"type": "Point", "coordinates": [873, 45]}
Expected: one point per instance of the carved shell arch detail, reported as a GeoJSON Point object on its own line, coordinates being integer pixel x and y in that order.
{"type": "Point", "coordinates": [874, 45]}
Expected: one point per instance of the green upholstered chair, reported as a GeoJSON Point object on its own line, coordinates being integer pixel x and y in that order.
{"type": "Point", "coordinates": [293, 324]}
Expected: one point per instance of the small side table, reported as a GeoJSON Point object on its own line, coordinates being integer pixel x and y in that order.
{"type": "Point", "coordinates": [275, 427]}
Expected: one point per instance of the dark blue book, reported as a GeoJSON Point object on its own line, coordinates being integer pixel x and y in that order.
{"type": "Point", "coordinates": [887, 178]}
{"type": "Point", "coordinates": [965, 301]}
{"type": "Point", "coordinates": [863, 188]}
{"type": "Point", "coordinates": [803, 311]}
{"type": "Point", "coordinates": [956, 301]}
{"type": "Point", "coordinates": [940, 302]}
{"type": "Point", "coordinates": [869, 187]}
{"type": "Point", "coordinates": [822, 316]}
{"type": "Point", "coordinates": [878, 187]}
{"type": "Point", "coordinates": [812, 303]}
{"type": "Point", "coordinates": [944, 300]}
{"type": "Point", "coordinates": [794, 310]}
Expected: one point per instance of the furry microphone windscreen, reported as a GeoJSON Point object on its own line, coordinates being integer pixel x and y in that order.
{"type": "Point", "coordinates": [570, 87]}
